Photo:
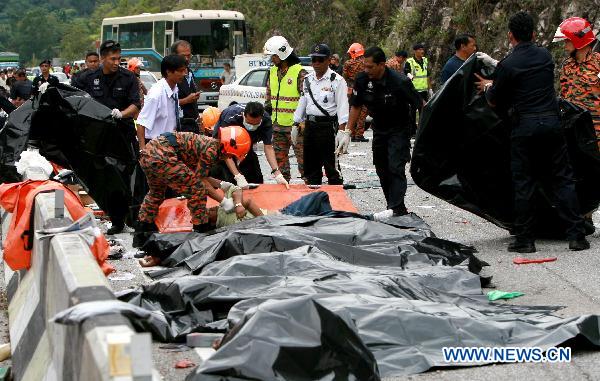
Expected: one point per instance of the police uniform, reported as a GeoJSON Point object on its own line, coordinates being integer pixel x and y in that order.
{"type": "Point", "coordinates": [40, 80]}
{"type": "Point", "coordinates": [323, 107]}
{"type": "Point", "coordinates": [116, 91]}
{"type": "Point", "coordinates": [189, 121]}
{"type": "Point", "coordinates": [389, 100]}
{"type": "Point", "coordinates": [524, 86]}
{"type": "Point", "coordinates": [250, 166]}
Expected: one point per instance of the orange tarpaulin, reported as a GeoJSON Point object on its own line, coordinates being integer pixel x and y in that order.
{"type": "Point", "coordinates": [18, 199]}
{"type": "Point", "coordinates": [174, 216]}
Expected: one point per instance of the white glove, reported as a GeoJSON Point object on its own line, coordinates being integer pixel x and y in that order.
{"type": "Point", "coordinates": [410, 76]}
{"type": "Point", "coordinates": [241, 181]}
{"type": "Point", "coordinates": [486, 60]}
{"type": "Point", "coordinates": [281, 180]}
{"type": "Point", "coordinates": [44, 87]}
{"type": "Point", "coordinates": [430, 93]}
{"type": "Point", "coordinates": [227, 205]}
{"type": "Point", "coordinates": [116, 113]}
{"type": "Point", "coordinates": [225, 185]}
{"type": "Point", "coordinates": [295, 131]}
{"type": "Point", "coordinates": [342, 141]}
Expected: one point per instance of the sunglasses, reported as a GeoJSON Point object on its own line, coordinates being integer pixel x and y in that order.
{"type": "Point", "coordinates": [111, 44]}
{"type": "Point", "coordinates": [317, 59]}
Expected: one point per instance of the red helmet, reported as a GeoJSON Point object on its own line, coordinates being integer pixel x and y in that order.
{"type": "Point", "coordinates": [235, 141]}
{"type": "Point", "coordinates": [356, 50]}
{"type": "Point", "coordinates": [578, 30]}
{"type": "Point", "coordinates": [133, 64]}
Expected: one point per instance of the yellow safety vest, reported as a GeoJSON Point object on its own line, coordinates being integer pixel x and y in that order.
{"type": "Point", "coordinates": [419, 74]}
{"type": "Point", "coordinates": [284, 95]}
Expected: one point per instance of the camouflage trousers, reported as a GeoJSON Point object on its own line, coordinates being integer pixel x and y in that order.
{"type": "Point", "coordinates": [282, 140]}
{"type": "Point", "coordinates": [164, 171]}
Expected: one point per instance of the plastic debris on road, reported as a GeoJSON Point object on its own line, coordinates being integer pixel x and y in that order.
{"type": "Point", "coordinates": [525, 261]}
{"type": "Point", "coordinates": [496, 294]}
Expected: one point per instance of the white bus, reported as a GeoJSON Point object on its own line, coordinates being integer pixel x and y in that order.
{"type": "Point", "coordinates": [216, 37]}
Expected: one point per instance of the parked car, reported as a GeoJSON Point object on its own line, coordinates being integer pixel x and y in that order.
{"type": "Point", "coordinates": [250, 87]}
{"type": "Point", "coordinates": [148, 79]}
{"type": "Point", "coordinates": [62, 77]}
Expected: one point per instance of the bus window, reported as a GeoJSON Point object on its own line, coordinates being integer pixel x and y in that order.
{"type": "Point", "coordinates": [138, 35]}
{"type": "Point", "coordinates": [107, 32]}
{"type": "Point", "coordinates": [159, 39]}
{"type": "Point", "coordinates": [211, 38]}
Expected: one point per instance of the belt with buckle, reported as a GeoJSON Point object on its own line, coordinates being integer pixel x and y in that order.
{"type": "Point", "coordinates": [188, 120]}
{"type": "Point", "coordinates": [320, 119]}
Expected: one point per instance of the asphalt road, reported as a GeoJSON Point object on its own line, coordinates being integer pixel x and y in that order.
{"type": "Point", "coordinates": [572, 281]}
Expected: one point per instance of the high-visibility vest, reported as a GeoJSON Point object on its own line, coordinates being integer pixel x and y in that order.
{"type": "Point", "coordinates": [284, 95]}
{"type": "Point", "coordinates": [419, 74]}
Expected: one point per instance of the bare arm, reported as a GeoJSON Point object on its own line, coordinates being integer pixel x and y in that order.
{"type": "Point", "coordinates": [232, 167]}
{"type": "Point", "coordinates": [354, 114]}
{"type": "Point", "coordinates": [270, 155]}
{"type": "Point", "coordinates": [141, 136]}
{"type": "Point", "coordinates": [130, 112]}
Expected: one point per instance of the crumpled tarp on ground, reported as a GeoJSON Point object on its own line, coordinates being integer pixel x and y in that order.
{"type": "Point", "coordinates": [76, 132]}
{"type": "Point", "coordinates": [302, 297]}
{"type": "Point", "coordinates": [462, 155]}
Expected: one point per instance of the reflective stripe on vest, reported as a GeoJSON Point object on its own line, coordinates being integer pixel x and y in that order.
{"type": "Point", "coordinates": [284, 95]}
{"type": "Point", "coordinates": [419, 74]}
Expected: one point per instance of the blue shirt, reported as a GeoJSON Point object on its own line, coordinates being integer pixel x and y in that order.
{"type": "Point", "coordinates": [451, 66]}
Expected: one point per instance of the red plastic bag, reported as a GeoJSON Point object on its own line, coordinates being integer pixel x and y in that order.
{"type": "Point", "coordinates": [174, 216]}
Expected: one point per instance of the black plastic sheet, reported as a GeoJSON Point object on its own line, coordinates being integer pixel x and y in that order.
{"type": "Point", "coordinates": [345, 236]}
{"type": "Point", "coordinates": [336, 297]}
{"type": "Point", "coordinates": [462, 155]}
{"type": "Point", "coordinates": [73, 130]}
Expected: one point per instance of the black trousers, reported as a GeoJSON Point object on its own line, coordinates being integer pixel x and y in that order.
{"type": "Point", "coordinates": [249, 167]}
{"type": "Point", "coordinates": [540, 156]}
{"type": "Point", "coordinates": [391, 152]}
{"type": "Point", "coordinates": [189, 127]}
{"type": "Point", "coordinates": [413, 113]}
{"type": "Point", "coordinates": [319, 153]}
{"type": "Point", "coordinates": [124, 209]}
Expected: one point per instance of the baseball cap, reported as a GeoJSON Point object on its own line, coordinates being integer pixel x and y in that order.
{"type": "Point", "coordinates": [418, 46]}
{"type": "Point", "coordinates": [320, 50]}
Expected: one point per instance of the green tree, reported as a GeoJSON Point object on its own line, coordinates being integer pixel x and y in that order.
{"type": "Point", "coordinates": [38, 35]}
{"type": "Point", "coordinates": [76, 41]}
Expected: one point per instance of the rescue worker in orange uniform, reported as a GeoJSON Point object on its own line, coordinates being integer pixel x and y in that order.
{"type": "Point", "coordinates": [182, 161]}
{"type": "Point", "coordinates": [355, 65]}
{"type": "Point", "coordinates": [580, 74]}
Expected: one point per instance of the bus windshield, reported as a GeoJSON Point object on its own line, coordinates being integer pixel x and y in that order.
{"type": "Point", "coordinates": [214, 42]}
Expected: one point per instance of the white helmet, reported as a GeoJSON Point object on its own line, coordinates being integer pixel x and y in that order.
{"type": "Point", "coordinates": [278, 45]}
{"type": "Point", "coordinates": [558, 35]}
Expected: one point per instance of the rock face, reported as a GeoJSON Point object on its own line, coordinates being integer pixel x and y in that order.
{"type": "Point", "coordinates": [398, 24]}
{"type": "Point", "coordinates": [437, 22]}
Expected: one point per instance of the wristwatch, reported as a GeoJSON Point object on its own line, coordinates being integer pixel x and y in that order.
{"type": "Point", "coordinates": [238, 204]}
{"type": "Point", "coordinates": [275, 170]}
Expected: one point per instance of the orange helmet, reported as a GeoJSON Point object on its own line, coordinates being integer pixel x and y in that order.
{"type": "Point", "coordinates": [576, 29]}
{"type": "Point", "coordinates": [356, 50]}
{"type": "Point", "coordinates": [133, 64]}
{"type": "Point", "coordinates": [210, 117]}
{"type": "Point", "coordinates": [235, 141]}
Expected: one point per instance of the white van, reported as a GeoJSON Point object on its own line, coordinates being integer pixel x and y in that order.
{"type": "Point", "coordinates": [249, 87]}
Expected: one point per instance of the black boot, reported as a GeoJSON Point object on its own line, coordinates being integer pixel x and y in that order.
{"type": "Point", "coordinates": [116, 228]}
{"type": "Point", "coordinates": [143, 231]}
{"type": "Point", "coordinates": [400, 211]}
{"type": "Point", "coordinates": [579, 244]}
{"type": "Point", "coordinates": [522, 246]}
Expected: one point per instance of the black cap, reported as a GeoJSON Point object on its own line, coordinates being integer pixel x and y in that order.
{"type": "Point", "coordinates": [46, 61]}
{"type": "Point", "coordinates": [320, 50]}
{"type": "Point", "coordinates": [418, 46]}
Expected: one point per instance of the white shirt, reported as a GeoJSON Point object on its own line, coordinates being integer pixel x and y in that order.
{"type": "Point", "coordinates": [331, 95]}
{"type": "Point", "coordinates": [227, 77]}
{"type": "Point", "coordinates": [158, 114]}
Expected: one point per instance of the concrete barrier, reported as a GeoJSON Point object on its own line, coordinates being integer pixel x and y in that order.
{"type": "Point", "coordinates": [64, 273]}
